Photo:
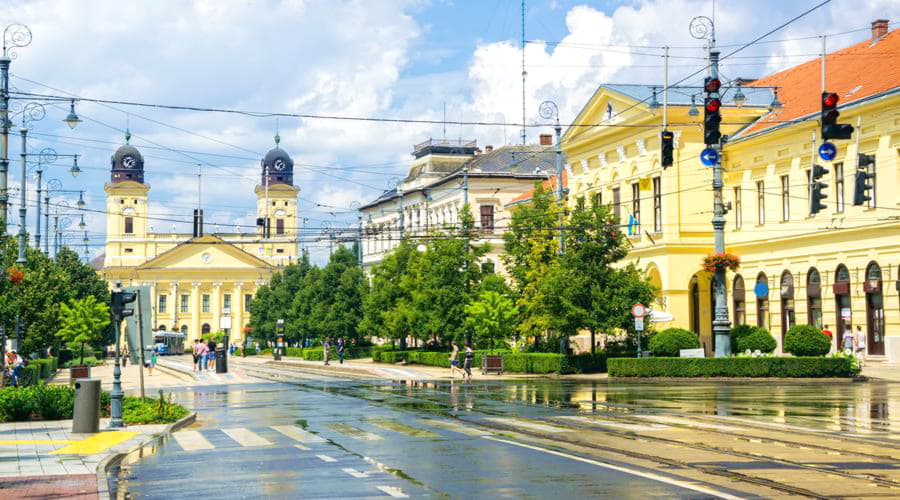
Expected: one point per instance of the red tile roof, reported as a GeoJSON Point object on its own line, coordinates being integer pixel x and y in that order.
{"type": "Point", "coordinates": [549, 184]}
{"type": "Point", "coordinates": [854, 73]}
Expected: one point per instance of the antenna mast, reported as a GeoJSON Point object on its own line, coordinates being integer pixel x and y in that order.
{"type": "Point", "coordinates": [523, 72]}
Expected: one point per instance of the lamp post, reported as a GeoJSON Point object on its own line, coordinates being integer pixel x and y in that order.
{"type": "Point", "coordinates": [14, 37]}
{"type": "Point", "coordinates": [45, 157]}
{"type": "Point", "coordinates": [55, 186]}
{"type": "Point", "coordinates": [547, 110]}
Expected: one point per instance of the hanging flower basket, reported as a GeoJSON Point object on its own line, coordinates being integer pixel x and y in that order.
{"type": "Point", "coordinates": [716, 261]}
{"type": "Point", "coordinates": [15, 275]}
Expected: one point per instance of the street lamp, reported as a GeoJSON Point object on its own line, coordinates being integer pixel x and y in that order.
{"type": "Point", "coordinates": [75, 170]}
{"type": "Point", "coordinates": [82, 225]}
{"type": "Point", "coordinates": [693, 112]}
{"type": "Point", "coordinates": [547, 110]}
{"type": "Point", "coordinates": [739, 98]}
{"type": "Point", "coordinates": [55, 186]}
{"type": "Point", "coordinates": [32, 111]}
{"type": "Point", "coordinates": [14, 36]}
{"type": "Point", "coordinates": [72, 119]}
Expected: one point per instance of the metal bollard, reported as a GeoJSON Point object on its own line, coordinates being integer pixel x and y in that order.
{"type": "Point", "coordinates": [86, 414]}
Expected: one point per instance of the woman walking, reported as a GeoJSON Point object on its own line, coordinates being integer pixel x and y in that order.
{"type": "Point", "coordinates": [467, 363]}
{"type": "Point", "coordinates": [151, 363]}
{"type": "Point", "coordinates": [860, 345]}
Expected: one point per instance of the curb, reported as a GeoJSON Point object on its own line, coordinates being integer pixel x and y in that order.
{"type": "Point", "coordinates": [103, 468]}
{"type": "Point", "coordinates": [175, 372]}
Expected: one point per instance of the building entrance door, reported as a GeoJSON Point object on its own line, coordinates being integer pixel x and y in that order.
{"type": "Point", "coordinates": [874, 310]}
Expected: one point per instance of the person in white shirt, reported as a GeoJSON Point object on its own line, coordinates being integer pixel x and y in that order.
{"type": "Point", "coordinates": [860, 345]}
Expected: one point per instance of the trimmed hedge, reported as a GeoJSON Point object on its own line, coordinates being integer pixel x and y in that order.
{"type": "Point", "coordinates": [732, 367]}
{"type": "Point", "coordinates": [534, 362]}
{"type": "Point", "coordinates": [47, 366]}
{"type": "Point", "coordinates": [56, 402]}
{"type": "Point", "coordinates": [806, 340]}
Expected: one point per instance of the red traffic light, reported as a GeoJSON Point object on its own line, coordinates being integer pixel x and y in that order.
{"type": "Point", "coordinates": [830, 100]}
{"type": "Point", "coordinates": [712, 85]}
{"type": "Point", "coordinates": [713, 105]}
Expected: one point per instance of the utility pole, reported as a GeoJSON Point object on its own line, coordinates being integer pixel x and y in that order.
{"type": "Point", "coordinates": [14, 36]}
{"type": "Point", "coordinates": [402, 215]}
{"type": "Point", "coordinates": [23, 196]}
{"type": "Point", "coordinates": [559, 186]}
{"type": "Point", "coordinates": [524, 73]}
{"type": "Point", "coordinates": [37, 224]}
{"type": "Point", "coordinates": [721, 323]}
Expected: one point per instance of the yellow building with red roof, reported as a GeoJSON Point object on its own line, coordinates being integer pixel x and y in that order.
{"type": "Point", "coordinates": [837, 268]}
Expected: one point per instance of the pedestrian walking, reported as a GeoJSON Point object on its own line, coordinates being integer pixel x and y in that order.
{"type": "Point", "coordinates": [849, 341]}
{"type": "Point", "coordinates": [340, 350]}
{"type": "Point", "coordinates": [195, 352]}
{"type": "Point", "coordinates": [860, 345]}
{"type": "Point", "coordinates": [454, 362]}
{"type": "Point", "coordinates": [326, 350]}
{"type": "Point", "coordinates": [203, 351]}
{"type": "Point", "coordinates": [211, 363]}
{"type": "Point", "coordinates": [151, 363]}
{"type": "Point", "coordinates": [244, 350]}
{"type": "Point", "coordinates": [124, 356]}
{"type": "Point", "coordinates": [467, 363]}
{"type": "Point", "coordinates": [16, 367]}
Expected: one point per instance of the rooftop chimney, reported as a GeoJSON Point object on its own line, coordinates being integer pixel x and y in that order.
{"type": "Point", "coordinates": [488, 148]}
{"type": "Point", "coordinates": [546, 140]}
{"type": "Point", "coordinates": [879, 28]}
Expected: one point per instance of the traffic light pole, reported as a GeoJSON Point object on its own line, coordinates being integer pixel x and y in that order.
{"type": "Point", "coordinates": [115, 397]}
{"type": "Point", "coordinates": [721, 324]}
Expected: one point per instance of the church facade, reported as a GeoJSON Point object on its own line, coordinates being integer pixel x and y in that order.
{"type": "Point", "coordinates": [198, 282]}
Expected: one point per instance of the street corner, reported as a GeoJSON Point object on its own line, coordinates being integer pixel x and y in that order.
{"type": "Point", "coordinates": [95, 443]}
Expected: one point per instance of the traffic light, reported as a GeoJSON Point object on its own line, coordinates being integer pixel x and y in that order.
{"type": "Point", "coordinates": [816, 195]}
{"type": "Point", "coordinates": [712, 115]}
{"type": "Point", "coordinates": [831, 129]}
{"type": "Point", "coordinates": [119, 300]}
{"type": "Point", "coordinates": [668, 147]}
{"type": "Point", "coordinates": [861, 186]}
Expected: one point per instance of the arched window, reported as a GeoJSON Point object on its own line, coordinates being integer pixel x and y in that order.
{"type": "Point", "coordinates": [814, 298]}
{"type": "Point", "coordinates": [695, 305]}
{"type": "Point", "coordinates": [874, 309]}
{"type": "Point", "coordinates": [162, 328]}
{"type": "Point", "coordinates": [740, 301]}
{"type": "Point", "coordinates": [843, 312]}
{"type": "Point", "coordinates": [184, 329]}
{"type": "Point", "coordinates": [762, 300]}
{"type": "Point", "coordinates": [788, 317]}
{"type": "Point", "coordinates": [204, 329]}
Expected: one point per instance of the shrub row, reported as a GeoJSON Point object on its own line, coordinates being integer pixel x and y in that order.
{"type": "Point", "coordinates": [47, 367]}
{"type": "Point", "coordinates": [732, 367]}
{"type": "Point", "coordinates": [538, 362]}
{"type": "Point", "coordinates": [312, 353]}
{"type": "Point", "coordinates": [56, 402]}
{"type": "Point", "coordinates": [88, 360]}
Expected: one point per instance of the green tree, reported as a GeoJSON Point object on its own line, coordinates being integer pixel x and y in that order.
{"type": "Point", "coordinates": [83, 321]}
{"type": "Point", "coordinates": [341, 288]}
{"type": "Point", "coordinates": [492, 317]}
{"type": "Point", "coordinates": [384, 307]}
{"type": "Point", "coordinates": [274, 300]}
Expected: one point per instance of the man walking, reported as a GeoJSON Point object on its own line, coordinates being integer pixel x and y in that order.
{"type": "Point", "coordinates": [195, 351]}
{"type": "Point", "coordinates": [340, 350]}
{"type": "Point", "coordinates": [326, 349]}
{"type": "Point", "coordinates": [454, 363]}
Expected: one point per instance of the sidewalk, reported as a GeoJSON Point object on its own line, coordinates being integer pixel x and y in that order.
{"type": "Point", "coordinates": [131, 378]}
{"type": "Point", "coordinates": [881, 371]}
{"type": "Point", "coordinates": [46, 460]}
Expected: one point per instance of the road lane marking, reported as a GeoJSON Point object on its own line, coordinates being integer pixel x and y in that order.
{"type": "Point", "coordinates": [357, 474]}
{"type": "Point", "coordinates": [354, 432]}
{"type": "Point", "coordinates": [526, 424]}
{"type": "Point", "coordinates": [298, 434]}
{"type": "Point", "coordinates": [245, 437]}
{"type": "Point", "coordinates": [393, 491]}
{"type": "Point", "coordinates": [616, 425]}
{"type": "Point", "coordinates": [646, 475]}
{"type": "Point", "coordinates": [192, 440]}
{"type": "Point", "coordinates": [397, 426]}
{"type": "Point", "coordinates": [454, 426]}
{"type": "Point", "coordinates": [301, 447]}
{"type": "Point", "coordinates": [326, 458]}
{"type": "Point", "coordinates": [95, 444]}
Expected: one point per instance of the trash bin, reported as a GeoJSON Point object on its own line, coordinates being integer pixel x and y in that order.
{"type": "Point", "coordinates": [86, 414]}
{"type": "Point", "coordinates": [221, 360]}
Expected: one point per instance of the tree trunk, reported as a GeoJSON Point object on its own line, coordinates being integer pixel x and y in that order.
{"type": "Point", "coordinates": [593, 341]}
{"type": "Point", "coordinates": [82, 353]}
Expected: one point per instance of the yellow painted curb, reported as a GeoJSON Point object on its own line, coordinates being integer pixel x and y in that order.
{"type": "Point", "coordinates": [95, 444]}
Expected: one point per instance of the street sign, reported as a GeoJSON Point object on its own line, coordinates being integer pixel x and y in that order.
{"type": "Point", "coordinates": [827, 151]}
{"type": "Point", "coordinates": [638, 310]}
{"type": "Point", "coordinates": [709, 157]}
{"type": "Point", "coordinates": [639, 324]}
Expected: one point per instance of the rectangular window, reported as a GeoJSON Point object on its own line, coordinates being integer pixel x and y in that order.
{"type": "Point", "coordinates": [617, 203]}
{"type": "Point", "coordinates": [248, 299]}
{"type": "Point", "coordinates": [226, 303]}
{"type": "Point", "coordinates": [129, 225]}
{"type": "Point", "coordinates": [128, 250]}
{"type": "Point", "coordinates": [279, 226]}
{"type": "Point", "coordinates": [162, 304]}
{"type": "Point", "coordinates": [636, 205]}
{"type": "Point", "coordinates": [809, 186]}
{"type": "Point", "coordinates": [785, 198]}
{"type": "Point", "coordinates": [185, 299]}
{"type": "Point", "coordinates": [839, 186]}
{"type": "Point", "coordinates": [657, 204]}
{"type": "Point", "coordinates": [738, 209]}
{"type": "Point", "coordinates": [205, 303]}
{"type": "Point", "coordinates": [597, 199]}
{"type": "Point", "coordinates": [487, 218]}
{"type": "Point", "coordinates": [871, 171]}
{"type": "Point", "coordinates": [761, 202]}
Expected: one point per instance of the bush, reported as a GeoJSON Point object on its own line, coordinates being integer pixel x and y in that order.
{"type": "Point", "coordinates": [589, 363]}
{"type": "Point", "coordinates": [48, 367]}
{"type": "Point", "coordinates": [732, 367]}
{"type": "Point", "coordinates": [739, 332]}
{"type": "Point", "coordinates": [806, 340]}
{"type": "Point", "coordinates": [531, 362]}
{"type": "Point", "coordinates": [89, 361]}
{"type": "Point", "coordinates": [16, 403]}
{"type": "Point", "coordinates": [151, 410]}
{"type": "Point", "coordinates": [251, 351]}
{"type": "Point", "coordinates": [32, 373]}
{"type": "Point", "coordinates": [54, 402]}
{"type": "Point", "coordinates": [390, 356]}
{"type": "Point", "coordinates": [671, 340]}
{"type": "Point", "coordinates": [759, 339]}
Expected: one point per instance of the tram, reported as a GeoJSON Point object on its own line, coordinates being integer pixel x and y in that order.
{"type": "Point", "coordinates": [168, 343]}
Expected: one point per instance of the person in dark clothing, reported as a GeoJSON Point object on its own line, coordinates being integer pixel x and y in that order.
{"type": "Point", "coordinates": [340, 350]}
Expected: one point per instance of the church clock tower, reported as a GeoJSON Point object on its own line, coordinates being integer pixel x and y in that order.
{"type": "Point", "coordinates": [126, 208]}
{"type": "Point", "coordinates": [276, 208]}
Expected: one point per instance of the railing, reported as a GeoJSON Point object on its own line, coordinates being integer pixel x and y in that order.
{"type": "Point", "coordinates": [459, 143]}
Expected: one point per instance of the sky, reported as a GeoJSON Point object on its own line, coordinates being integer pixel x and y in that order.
{"type": "Point", "coordinates": [364, 58]}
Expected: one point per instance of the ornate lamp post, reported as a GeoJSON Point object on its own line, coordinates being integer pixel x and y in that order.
{"type": "Point", "coordinates": [55, 186]}
{"type": "Point", "coordinates": [547, 110]}
{"type": "Point", "coordinates": [14, 37]}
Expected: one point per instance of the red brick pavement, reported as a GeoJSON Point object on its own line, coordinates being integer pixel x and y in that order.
{"type": "Point", "coordinates": [71, 486]}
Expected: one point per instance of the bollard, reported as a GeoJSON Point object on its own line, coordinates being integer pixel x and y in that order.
{"type": "Point", "coordinates": [86, 414]}
{"type": "Point", "coordinates": [221, 360]}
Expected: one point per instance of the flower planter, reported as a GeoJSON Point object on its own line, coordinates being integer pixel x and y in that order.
{"type": "Point", "coordinates": [79, 371]}
{"type": "Point", "coordinates": [491, 364]}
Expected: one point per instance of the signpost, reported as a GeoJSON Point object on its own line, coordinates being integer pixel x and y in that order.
{"type": "Point", "coordinates": [638, 311]}
{"type": "Point", "coordinates": [709, 157]}
{"type": "Point", "coordinates": [827, 151]}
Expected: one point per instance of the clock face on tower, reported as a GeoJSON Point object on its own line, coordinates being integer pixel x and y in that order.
{"type": "Point", "coordinates": [279, 164]}
{"type": "Point", "coordinates": [129, 162]}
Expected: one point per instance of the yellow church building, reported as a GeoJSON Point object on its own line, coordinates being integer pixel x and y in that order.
{"type": "Point", "coordinates": [198, 282]}
{"type": "Point", "coordinates": [837, 268]}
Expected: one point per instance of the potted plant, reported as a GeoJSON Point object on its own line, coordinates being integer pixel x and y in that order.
{"type": "Point", "coordinates": [492, 317]}
{"type": "Point", "coordinates": [724, 260]}
{"type": "Point", "coordinates": [82, 322]}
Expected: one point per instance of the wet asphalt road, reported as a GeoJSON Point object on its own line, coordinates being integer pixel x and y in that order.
{"type": "Point", "coordinates": [324, 437]}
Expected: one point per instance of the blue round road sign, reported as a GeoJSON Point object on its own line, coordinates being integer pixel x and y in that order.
{"type": "Point", "coordinates": [827, 151]}
{"type": "Point", "coordinates": [709, 157]}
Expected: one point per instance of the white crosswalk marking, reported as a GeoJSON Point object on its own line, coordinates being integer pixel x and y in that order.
{"type": "Point", "coordinates": [245, 437]}
{"type": "Point", "coordinates": [326, 458]}
{"type": "Point", "coordinates": [393, 491]}
{"type": "Point", "coordinates": [192, 440]}
{"type": "Point", "coordinates": [301, 447]}
{"type": "Point", "coordinates": [355, 473]}
{"type": "Point", "coordinates": [298, 434]}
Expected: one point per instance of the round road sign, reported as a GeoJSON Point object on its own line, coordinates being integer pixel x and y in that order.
{"type": "Point", "coordinates": [638, 310]}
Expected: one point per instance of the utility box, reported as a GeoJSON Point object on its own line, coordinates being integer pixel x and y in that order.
{"type": "Point", "coordinates": [86, 414]}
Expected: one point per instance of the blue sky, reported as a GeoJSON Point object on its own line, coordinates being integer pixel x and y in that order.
{"type": "Point", "coordinates": [372, 58]}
